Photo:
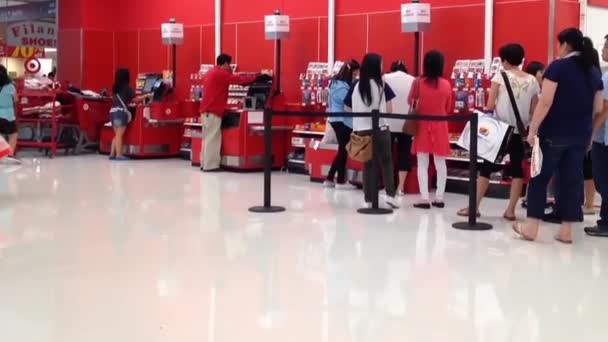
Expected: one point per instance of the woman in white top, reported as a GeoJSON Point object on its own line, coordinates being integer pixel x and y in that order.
{"type": "Point", "coordinates": [401, 83]}
{"type": "Point", "coordinates": [369, 94]}
{"type": "Point", "coordinates": [526, 90]}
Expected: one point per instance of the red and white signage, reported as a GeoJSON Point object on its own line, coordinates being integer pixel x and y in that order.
{"type": "Point", "coordinates": [276, 26]}
{"type": "Point", "coordinates": [32, 33]}
{"type": "Point", "coordinates": [415, 17]}
{"type": "Point", "coordinates": [172, 33]}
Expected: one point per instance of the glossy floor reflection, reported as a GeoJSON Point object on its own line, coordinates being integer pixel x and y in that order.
{"type": "Point", "coordinates": [93, 251]}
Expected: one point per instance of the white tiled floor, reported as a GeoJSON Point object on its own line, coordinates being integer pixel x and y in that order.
{"type": "Point", "coordinates": [93, 251]}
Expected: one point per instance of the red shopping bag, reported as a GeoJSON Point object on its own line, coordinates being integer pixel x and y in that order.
{"type": "Point", "coordinates": [5, 148]}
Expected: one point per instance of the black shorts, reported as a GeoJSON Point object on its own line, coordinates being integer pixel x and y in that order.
{"type": "Point", "coordinates": [515, 168]}
{"type": "Point", "coordinates": [8, 127]}
{"type": "Point", "coordinates": [588, 167]}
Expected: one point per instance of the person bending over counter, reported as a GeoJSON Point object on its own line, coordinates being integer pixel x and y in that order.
{"type": "Point", "coordinates": [216, 84]}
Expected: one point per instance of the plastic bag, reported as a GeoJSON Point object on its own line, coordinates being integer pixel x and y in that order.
{"type": "Point", "coordinates": [5, 148]}
{"type": "Point", "coordinates": [330, 135]}
{"type": "Point", "coordinates": [536, 164]}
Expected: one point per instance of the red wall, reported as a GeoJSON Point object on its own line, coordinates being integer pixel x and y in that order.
{"type": "Point", "coordinates": [361, 26]}
{"type": "Point", "coordinates": [603, 3]}
{"type": "Point", "coordinates": [534, 37]}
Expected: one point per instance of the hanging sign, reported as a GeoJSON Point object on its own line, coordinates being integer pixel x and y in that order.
{"type": "Point", "coordinates": [32, 33]}
{"type": "Point", "coordinates": [172, 33]}
{"type": "Point", "coordinates": [276, 26]}
{"type": "Point", "coordinates": [415, 17]}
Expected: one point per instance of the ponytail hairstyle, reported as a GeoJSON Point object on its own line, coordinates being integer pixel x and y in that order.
{"type": "Point", "coordinates": [347, 71]}
{"type": "Point", "coordinates": [579, 43]}
{"type": "Point", "coordinates": [371, 70]}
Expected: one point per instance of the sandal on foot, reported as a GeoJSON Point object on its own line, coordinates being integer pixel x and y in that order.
{"type": "Point", "coordinates": [559, 239]}
{"type": "Point", "coordinates": [464, 212]}
{"type": "Point", "coordinates": [520, 234]}
{"type": "Point", "coordinates": [509, 218]}
{"type": "Point", "coordinates": [425, 206]}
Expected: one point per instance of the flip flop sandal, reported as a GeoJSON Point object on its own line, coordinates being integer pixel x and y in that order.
{"type": "Point", "coordinates": [509, 218]}
{"type": "Point", "coordinates": [517, 229]}
{"type": "Point", "coordinates": [559, 239]}
{"type": "Point", "coordinates": [465, 213]}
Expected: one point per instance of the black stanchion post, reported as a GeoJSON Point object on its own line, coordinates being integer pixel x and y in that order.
{"type": "Point", "coordinates": [375, 209]}
{"type": "Point", "coordinates": [267, 207]}
{"type": "Point", "coordinates": [472, 223]}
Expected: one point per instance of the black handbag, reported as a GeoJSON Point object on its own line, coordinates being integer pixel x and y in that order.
{"type": "Point", "coordinates": [523, 131]}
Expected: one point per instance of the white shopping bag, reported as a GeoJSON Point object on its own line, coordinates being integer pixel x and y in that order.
{"type": "Point", "coordinates": [536, 163]}
{"type": "Point", "coordinates": [492, 138]}
{"type": "Point", "coordinates": [330, 135]}
{"type": "Point", "coordinates": [5, 148]}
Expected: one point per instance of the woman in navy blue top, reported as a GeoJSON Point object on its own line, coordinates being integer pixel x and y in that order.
{"type": "Point", "coordinates": [571, 93]}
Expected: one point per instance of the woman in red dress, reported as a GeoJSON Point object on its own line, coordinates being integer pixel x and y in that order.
{"type": "Point", "coordinates": [433, 95]}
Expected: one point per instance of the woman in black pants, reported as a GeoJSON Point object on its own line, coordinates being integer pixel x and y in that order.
{"type": "Point", "coordinates": [563, 121]}
{"type": "Point", "coordinates": [342, 126]}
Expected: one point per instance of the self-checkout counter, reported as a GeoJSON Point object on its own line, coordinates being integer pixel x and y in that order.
{"type": "Point", "coordinates": [243, 131]}
{"type": "Point", "coordinates": [156, 127]}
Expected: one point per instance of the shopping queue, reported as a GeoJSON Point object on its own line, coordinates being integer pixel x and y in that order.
{"type": "Point", "coordinates": [563, 106]}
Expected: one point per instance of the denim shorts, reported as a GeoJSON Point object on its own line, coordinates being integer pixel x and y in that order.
{"type": "Point", "coordinates": [119, 118]}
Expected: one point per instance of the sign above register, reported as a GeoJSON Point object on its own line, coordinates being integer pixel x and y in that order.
{"type": "Point", "coordinates": [276, 26]}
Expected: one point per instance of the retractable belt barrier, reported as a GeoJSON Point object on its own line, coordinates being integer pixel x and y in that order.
{"type": "Point", "coordinates": [375, 209]}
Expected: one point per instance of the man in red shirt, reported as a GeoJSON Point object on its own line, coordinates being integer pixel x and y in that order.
{"type": "Point", "coordinates": [213, 104]}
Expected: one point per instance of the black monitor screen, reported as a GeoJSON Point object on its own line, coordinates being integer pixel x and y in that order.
{"type": "Point", "coordinates": [149, 84]}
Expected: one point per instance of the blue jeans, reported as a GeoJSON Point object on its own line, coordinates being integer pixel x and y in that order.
{"type": "Point", "coordinates": [599, 155]}
{"type": "Point", "coordinates": [565, 157]}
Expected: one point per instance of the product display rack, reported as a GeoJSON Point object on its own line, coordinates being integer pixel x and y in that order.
{"type": "Point", "coordinates": [301, 137]}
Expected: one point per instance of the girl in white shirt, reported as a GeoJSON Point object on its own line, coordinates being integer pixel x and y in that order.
{"type": "Point", "coordinates": [369, 94]}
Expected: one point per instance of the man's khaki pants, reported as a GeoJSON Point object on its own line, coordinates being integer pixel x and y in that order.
{"type": "Point", "coordinates": [212, 132]}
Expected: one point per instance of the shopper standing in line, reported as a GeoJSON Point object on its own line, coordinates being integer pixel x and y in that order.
{"type": "Point", "coordinates": [8, 120]}
{"type": "Point", "coordinates": [589, 185]}
{"type": "Point", "coordinates": [342, 126]}
{"type": "Point", "coordinates": [434, 96]}
{"type": "Point", "coordinates": [401, 83]}
{"type": "Point", "coordinates": [525, 89]}
{"type": "Point", "coordinates": [599, 153]}
{"type": "Point", "coordinates": [536, 69]}
{"type": "Point", "coordinates": [215, 96]}
{"type": "Point", "coordinates": [369, 94]}
{"type": "Point", "coordinates": [571, 94]}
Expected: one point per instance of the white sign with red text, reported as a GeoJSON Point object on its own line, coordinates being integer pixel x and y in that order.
{"type": "Point", "coordinates": [415, 17]}
{"type": "Point", "coordinates": [276, 26]}
{"type": "Point", "coordinates": [172, 33]}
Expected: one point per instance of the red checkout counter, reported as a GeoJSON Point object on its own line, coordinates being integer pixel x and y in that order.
{"type": "Point", "coordinates": [243, 131]}
{"type": "Point", "coordinates": [156, 128]}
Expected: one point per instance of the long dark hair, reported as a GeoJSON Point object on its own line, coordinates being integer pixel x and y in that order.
{"type": "Point", "coordinates": [4, 79]}
{"type": "Point", "coordinates": [346, 72]}
{"type": "Point", "coordinates": [579, 43]}
{"type": "Point", "coordinates": [122, 78]}
{"type": "Point", "coordinates": [433, 67]}
{"type": "Point", "coordinates": [371, 70]}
